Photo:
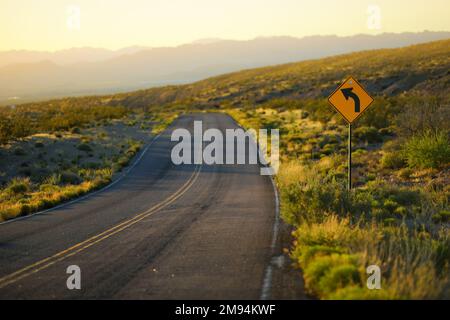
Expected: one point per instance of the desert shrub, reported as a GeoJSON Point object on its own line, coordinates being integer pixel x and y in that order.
{"type": "Point", "coordinates": [422, 114]}
{"type": "Point", "coordinates": [53, 179]}
{"type": "Point", "coordinates": [309, 193]}
{"type": "Point", "coordinates": [39, 174]}
{"type": "Point", "coordinates": [389, 131]}
{"type": "Point", "coordinates": [367, 134]}
{"type": "Point", "coordinates": [75, 130]}
{"type": "Point", "coordinates": [428, 150]}
{"type": "Point", "coordinates": [405, 173]}
{"type": "Point", "coordinates": [123, 161]}
{"type": "Point", "coordinates": [84, 147]}
{"type": "Point", "coordinates": [340, 276]}
{"type": "Point", "coordinates": [19, 151]}
{"type": "Point", "coordinates": [310, 201]}
{"type": "Point", "coordinates": [325, 274]}
{"type": "Point", "coordinates": [18, 186]}
{"type": "Point", "coordinates": [92, 165]}
{"type": "Point", "coordinates": [333, 255]}
{"type": "Point", "coordinates": [442, 216]}
{"type": "Point", "coordinates": [328, 149]}
{"type": "Point", "coordinates": [390, 205]}
{"type": "Point", "coordinates": [48, 188]}
{"type": "Point", "coordinates": [393, 160]}
{"type": "Point", "coordinates": [133, 148]}
{"type": "Point", "coordinates": [382, 191]}
{"type": "Point", "coordinates": [68, 177]}
{"type": "Point", "coordinates": [318, 110]}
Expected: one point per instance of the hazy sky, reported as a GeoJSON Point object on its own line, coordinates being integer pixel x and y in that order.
{"type": "Point", "coordinates": [54, 24]}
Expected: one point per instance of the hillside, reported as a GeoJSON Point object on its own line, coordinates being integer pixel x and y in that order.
{"type": "Point", "coordinates": [421, 68]}
{"type": "Point", "coordinates": [90, 71]}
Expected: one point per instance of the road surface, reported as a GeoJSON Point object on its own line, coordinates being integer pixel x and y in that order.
{"type": "Point", "coordinates": [161, 232]}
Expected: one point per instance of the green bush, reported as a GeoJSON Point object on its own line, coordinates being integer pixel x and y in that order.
{"type": "Point", "coordinates": [311, 201]}
{"type": "Point", "coordinates": [84, 147]}
{"type": "Point", "coordinates": [309, 252]}
{"type": "Point", "coordinates": [390, 205]}
{"type": "Point", "coordinates": [18, 186]}
{"type": "Point", "coordinates": [367, 134]}
{"type": "Point", "coordinates": [428, 150]}
{"type": "Point", "coordinates": [405, 173]}
{"type": "Point", "coordinates": [75, 130]}
{"type": "Point", "coordinates": [392, 160]}
{"type": "Point", "coordinates": [442, 216]}
{"type": "Point", "coordinates": [328, 149]}
{"type": "Point", "coordinates": [325, 274]}
{"type": "Point", "coordinates": [19, 151]}
{"type": "Point", "coordinates": [68, 177]}
{"type": "Point", "coordinates": [92, 165]}
{"type": "Point", "coordinates": [339, 277]}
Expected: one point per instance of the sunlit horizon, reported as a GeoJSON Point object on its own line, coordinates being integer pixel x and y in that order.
{"type": "Point", "coordinates": [50, 25]}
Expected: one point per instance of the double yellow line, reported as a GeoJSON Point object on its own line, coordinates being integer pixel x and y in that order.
{"type": "Point", "coordinates": [47, 262]}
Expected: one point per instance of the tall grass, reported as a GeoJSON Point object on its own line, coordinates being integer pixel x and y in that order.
{"type": "Point", "coordinates": [340, 233]}
{"type": "Point", "coordinates": [44, 196]}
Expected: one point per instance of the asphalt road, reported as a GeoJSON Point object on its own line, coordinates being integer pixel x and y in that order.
{"type": "Point", "coordinates": [161, 232]}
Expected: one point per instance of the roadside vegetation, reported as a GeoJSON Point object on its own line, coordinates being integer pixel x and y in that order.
{"type": "Point", "coordinates": [58, 150]}
{"type": "Point", "coordinates": [397, 216]}
{"type": "Point", "coordinates": [42, 170]}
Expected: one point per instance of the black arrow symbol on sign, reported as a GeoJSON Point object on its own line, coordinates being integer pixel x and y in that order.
{"type": "Point", "coordinates": [348, 93]}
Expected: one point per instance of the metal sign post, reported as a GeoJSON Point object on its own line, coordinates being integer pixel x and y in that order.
{"type": "Point", "coordinates": [350, 100]}
{"type": "Point", "coordinates": [349, 156]}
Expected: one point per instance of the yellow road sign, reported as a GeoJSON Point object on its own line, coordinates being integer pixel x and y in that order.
{"type": "Point", "coordinates": [350, 99]}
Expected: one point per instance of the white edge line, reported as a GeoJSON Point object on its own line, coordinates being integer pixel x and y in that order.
{"type": "Point", "coordinates": [267, 281]}
{"type": "Point", "coordinates": [89, 194]}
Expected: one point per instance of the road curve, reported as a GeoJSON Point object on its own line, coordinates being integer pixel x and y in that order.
{"type": "Point", "coordinates": [161, 232]}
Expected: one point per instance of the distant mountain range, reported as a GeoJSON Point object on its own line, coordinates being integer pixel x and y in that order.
{"type": "Point", "coordinates": [64, 57]}
{"type": "Point", "coordinates": [28, 75]}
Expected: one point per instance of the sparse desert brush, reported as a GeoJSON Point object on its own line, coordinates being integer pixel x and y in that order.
{"type": "Point", "coordinates": [393, 160]}
{"type": "Point", "coordinates": [39, 144]}
{"type": "Point", "coordinates": [50, 194]}
{"type": "Point", "coordinates": [335, 252]}
{"type": "Point", "coordinates": [441, 216]}
{"type": "Point", "coordinates": [414, 266]}
{"type": "Point", "coordinates": [405, 173]}
{"type": "Point", "coordinates": [53, 179]}
{"type": "Point", "coordinates": [367, 134]}
{"type": "Point", "coordinates": [66, 182]}
{"type": "Point", "coordinates": [293, 172]}
{"type": "Point", "coordinates": [19, 151]}
{"type": "Point", "coordinates": [84, 147]}
{"type": "Point", "coordinates": [18, 186]}
{"type": "Point", "coordinates": [327, 273]}
{"type": "Point", "coordinates": [340, 233]}
{"type": "Point", "coordinates": [68, 177]}
{"type": "Point", "coordinates": [428, 150]}
{"type": "Point", "coordinates": [134, 146]}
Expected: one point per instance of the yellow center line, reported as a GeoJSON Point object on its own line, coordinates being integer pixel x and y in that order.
{"type": "Point", "coordinates": [45, 263]}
